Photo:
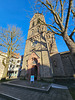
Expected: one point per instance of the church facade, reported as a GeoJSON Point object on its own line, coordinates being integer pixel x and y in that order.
{"type": "Point", "coordinates": [41, 56]}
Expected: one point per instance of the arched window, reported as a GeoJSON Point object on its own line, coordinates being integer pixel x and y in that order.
{"type": "Point", "coordinates": [38, 20]}
{"type": "Point", "coordinates": [35, 61]}
{"type": "Point", "coordinates": [34, 43]}
{"type": "Point", "coordinates": [37, 29]}
{"type": "Point", "coordinates": [33, 24]}
{"type": "Point", "coordinates": [32, 31]}
{"type": "Point", "coordinates": [42, 28]}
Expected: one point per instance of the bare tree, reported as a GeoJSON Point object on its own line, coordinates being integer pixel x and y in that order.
{"type": "Point", "coordinates": [10, 39]}
{"type": "Point", "coordinates": [61, 23]}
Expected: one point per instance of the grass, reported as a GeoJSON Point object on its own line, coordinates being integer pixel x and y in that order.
{"type": "Point", "coordinates": [72, 92]}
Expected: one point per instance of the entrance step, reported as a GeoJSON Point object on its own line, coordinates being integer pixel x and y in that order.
{"type": "Point", "coordinates": [58, 86]}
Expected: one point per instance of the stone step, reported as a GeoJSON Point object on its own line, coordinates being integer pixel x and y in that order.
{"type": "Point", "coordinates": [58, 86]}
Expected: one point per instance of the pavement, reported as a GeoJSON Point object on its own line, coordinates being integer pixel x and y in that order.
{"type": "Point", "coordinates": [18, 93]}
{"type": "Point", "coordinates": [36, 85]}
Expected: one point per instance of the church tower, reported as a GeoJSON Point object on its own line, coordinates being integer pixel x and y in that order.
{"type": "Point", "coordinates": [40, 46]}
{"type": "Point", "coordinates": [36, 57]}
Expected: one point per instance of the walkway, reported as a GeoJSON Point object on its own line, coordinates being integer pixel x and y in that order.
{"type": "Point", "coordinates": [30, 94]}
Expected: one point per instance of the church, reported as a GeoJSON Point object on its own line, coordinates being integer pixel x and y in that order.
{"type": "Point", "coordinates": [41, 56]}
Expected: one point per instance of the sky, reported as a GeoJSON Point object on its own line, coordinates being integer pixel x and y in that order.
{"type": "Point", "coordinates": [19, 13]}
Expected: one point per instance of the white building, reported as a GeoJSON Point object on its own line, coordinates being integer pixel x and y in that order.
{"type": "Point", "coordinates": [14, 65]}
{"type": "Point", "coordinates": [2, 55]}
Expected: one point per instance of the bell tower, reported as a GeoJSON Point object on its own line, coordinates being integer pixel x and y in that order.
{"type": "Point", "coordinates": [36, 51]}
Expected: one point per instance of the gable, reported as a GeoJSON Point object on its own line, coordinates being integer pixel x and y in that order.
{"type": "Point", "coordinates": [34, 55]}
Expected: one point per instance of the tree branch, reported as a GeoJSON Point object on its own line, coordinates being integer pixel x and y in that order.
{"type": "Point", "coordinates": [54, 14]}
{"type": "Point", "coordinates": [15, 48]}
{"type": "Point", "coordinates": [54, 27]}
{"type": "Point", "coordinates": [72, 34]}
{"type": "Point", "coordinates": [43, 23]}
{"type": "Point", "coordinates": [3, 45]}
{"type": "Point", "coordinates": [68, 15]}
{"type": "Point", "coordinates": [56, 5]}
{"type": "Point", "coordinates": [61, 10]}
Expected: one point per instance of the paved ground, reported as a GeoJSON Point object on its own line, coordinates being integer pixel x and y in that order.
{"type": "Point", "coordinates": [27, 94]}
{"type": "Point", "coordinates": [36, 85]}
{"type": "Point", "coordinates": [2, 98]}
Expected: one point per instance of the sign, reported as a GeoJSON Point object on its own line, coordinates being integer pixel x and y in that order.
{"type": "Point", "coordinates": [32, 78]}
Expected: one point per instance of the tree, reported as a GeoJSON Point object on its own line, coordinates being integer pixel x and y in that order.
{"type": "Point", "coordinates": [10, 39]}
{"type": "Point", "coordinates": [60, 26]}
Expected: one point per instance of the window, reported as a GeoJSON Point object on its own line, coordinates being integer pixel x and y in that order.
{"type": "Point", "coordinates": [34, 43]}
{"type": "Point", "coordinates": [10, 65]}
{"type": "Point", "coordinates": [34, 61]}
{"type": "Point", "coordinates": [38, 21]}
{"type": "Point", "coordinates": [42, 28]}
{"type": "Point", "coordinates": [18, 61]}
{"type": "Point", "coordinates": [18, 66]}
{"type": "Point", "coordinates": [15, 72]}
{"type": "Point", "coordinates": [33, 24]}
{"type": "Point", "coordinates": [38, 30]}
{"type": "Point", "coordinates": [13, 67]}
{"type": "Point", "coordinates": [32, 31]}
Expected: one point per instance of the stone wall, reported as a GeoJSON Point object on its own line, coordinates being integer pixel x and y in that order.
{"type": "Point", "coordinates": [68, 64]}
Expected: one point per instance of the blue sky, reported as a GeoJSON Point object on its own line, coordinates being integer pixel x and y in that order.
{"type": "Point", "coordinates": [19, 13]}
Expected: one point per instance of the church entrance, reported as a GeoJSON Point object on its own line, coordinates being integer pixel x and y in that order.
{"type": "Point", "coordinates": [33, 66]}
{"type": "Point", "coordinates": [34, 71]}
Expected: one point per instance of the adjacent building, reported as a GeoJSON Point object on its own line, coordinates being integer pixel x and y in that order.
{"type": "Point", "coordinates": [14, 65]}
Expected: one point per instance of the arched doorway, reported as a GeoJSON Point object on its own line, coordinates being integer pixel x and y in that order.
{"type": "Point", "coordinates": [33, 66]}
{"type": "Point", "coordinates": [34, 69]}
{"type": "Point", "coordinates": [35, 72]}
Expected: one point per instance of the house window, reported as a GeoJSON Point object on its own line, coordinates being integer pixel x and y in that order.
{"type": "Point", "coordinates": [10, 65]}
{"type": "Point", "coordinates": [15, 72]}
{"type": "Point", "coordinates": [13, 67]}
{"type": "Point", "coordinates": [18, 66]}
{"type": "Point", "coordinates": [18, 61]}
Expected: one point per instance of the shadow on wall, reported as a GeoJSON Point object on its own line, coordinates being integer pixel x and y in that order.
{"type": "Point", "coordinates": [63, 65]}
{"type": "Point", "coordinates": [39, 73]}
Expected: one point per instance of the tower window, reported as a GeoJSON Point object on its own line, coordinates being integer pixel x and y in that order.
{"type": "Point", "coordinates": [33, 24]}
{"type": "Point", "coordinates": [32, 31]}
{"type": "Point", "coordinates": [38, 30]}
{"type": "Point", "coordinates": [38, 21]}
{"type": "Point", "coordinates": [34, 43]}
{"type": "Point", "coordinates": [42, 28]}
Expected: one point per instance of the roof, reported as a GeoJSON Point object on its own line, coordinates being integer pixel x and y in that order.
{"type": "Point", "coordinates": [65, 52]}
{"type": "Point", "coordinates": [16, 55]}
